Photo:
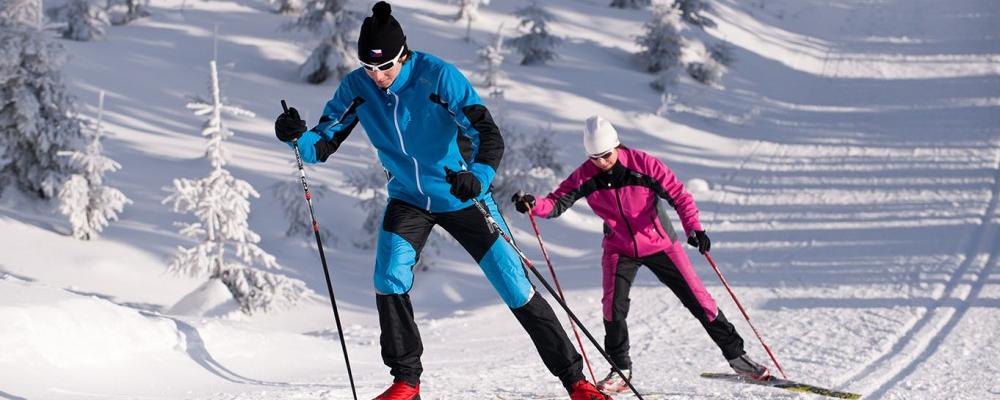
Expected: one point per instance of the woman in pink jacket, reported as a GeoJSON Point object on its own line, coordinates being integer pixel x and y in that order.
{"type": "Point", "coordinates": [627, 189]}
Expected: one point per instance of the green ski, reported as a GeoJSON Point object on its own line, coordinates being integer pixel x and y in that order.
{"type": "Point", "coordinates": [782, 384]}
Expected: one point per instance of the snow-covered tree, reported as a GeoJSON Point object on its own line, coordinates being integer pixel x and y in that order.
{"type": "Point", "coordinates": [722, 52]}
{"type": "Point", "coordinates": [214, 129]}
{"type": "Point", "coordinates": [491, 56]}
{"type": "Point", "coordinates": [693, 12]}
{"type": "Point", "coordinates": [290, 196]}
{"type": "Point", "coordinates": [287, 6]}
{"type": "Point", "coordinates": [221, 203]}
{"type": "Point", "coordinates": [630, 3]}
{"type": "Point", "coordinates": [84, 198]}
{"type": "Point", "coordinates": [82, 20]}
{"type": "Point", "coordinates": [667, 48]}
{"type": "Point", "coordinates": [530, 162]}
{"type": "Point", "coordinates": [468, 10]}
{"type": "Point", "coordinates": [661, 43]}
{"type": "Point", "coordinates": [536, 45]}
{"type": "Point", "coordinates": [337, 26]}
{"type": "Point", "coordinates": [257, 290]}
{"type": "Point", "coordinates": [667, 78]}
{"type": "Point", "coordinates": [370, 184]}
{"type": "Point", "coordinates": [121, 12]}
{"type": "Point", "coordinates": [37, 118]}
{"type": "Point", "coordinates": [708, 71]}
{"type": "Point", "coordinates": [21, 12]}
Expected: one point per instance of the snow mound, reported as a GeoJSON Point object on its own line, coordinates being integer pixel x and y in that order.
{"type": "Point", "coordinates": [47, 326]}
{"type": "Point", "coordinates": [697, 185]}
{"type": "Point", "coordinates": [211, 299]}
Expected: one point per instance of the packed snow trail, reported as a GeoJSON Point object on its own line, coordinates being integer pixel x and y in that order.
{"type": "Point", "coordinates": [853, 169]}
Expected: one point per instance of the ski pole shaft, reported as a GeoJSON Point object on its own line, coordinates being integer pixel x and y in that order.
{"type": "Point", "coordinates": [322, 257]}
{"type": "Point", "coordinates": [745, 314]}
{"type": "Point", "coordinates": [495, 226]}
{"type": "Point", "coordinates": [555, 280]}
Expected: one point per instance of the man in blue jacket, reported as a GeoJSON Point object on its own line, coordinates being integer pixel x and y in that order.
{"type": "Point", "coordinates": [424, 118]}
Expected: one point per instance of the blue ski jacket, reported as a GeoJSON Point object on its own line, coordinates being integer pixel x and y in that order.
{"type": "Point", "coordinates": [430, 118]}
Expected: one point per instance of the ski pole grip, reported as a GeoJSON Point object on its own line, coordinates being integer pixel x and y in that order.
{"type": "Point", "coordinates": [284, 106]}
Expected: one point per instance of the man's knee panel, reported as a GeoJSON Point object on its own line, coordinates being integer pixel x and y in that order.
{"type": "Point", "coordinates": [394, 261]}
{"type": "Point", "coordinates": [504, 270]}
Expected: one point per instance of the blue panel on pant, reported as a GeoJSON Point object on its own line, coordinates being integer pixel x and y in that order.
{"type": "Point", "coordinates": [503, 268]}
{"type": "Point", "coordinates": [394, 260]}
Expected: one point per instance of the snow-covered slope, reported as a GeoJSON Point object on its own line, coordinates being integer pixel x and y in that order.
{"type": "Point", "coordinates": [852, 166]}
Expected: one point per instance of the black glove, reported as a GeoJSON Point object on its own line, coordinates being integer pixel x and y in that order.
{"type": "Point", "coordinates": [464, 185]}
{"type": "Point", "coordinates": [288, 126]}
{"type": "Point", "coordinates": [523, 202]}
{"type": "Point", "coordinates": [700, 240]}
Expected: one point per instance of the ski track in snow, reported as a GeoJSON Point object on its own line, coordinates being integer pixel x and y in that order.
{"type": "Point", "coordinates": [858, 222]}
{"type": "Point", "coordinates": [924, 337]}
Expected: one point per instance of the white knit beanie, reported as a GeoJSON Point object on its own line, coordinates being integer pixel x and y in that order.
{"type": "Point", "coordinates": [599, 136]}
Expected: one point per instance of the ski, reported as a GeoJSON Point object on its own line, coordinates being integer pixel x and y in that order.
{"type": "Point", "coordinates": [782, 384]}
{"type": "Point", "coordinates": [648, 395]}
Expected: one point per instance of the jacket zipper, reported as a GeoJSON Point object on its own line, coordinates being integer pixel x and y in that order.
{"type": "Point", "coordinates": [655, 228]}
{"type": "Point", "coordinates": [416, 167]}
{"type": "Point", "coordinates": [631, 234]}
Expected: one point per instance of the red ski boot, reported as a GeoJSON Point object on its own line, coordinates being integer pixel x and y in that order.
{"type": "Point", "coordinates": [400, 391]}
{"type": "Point", "coordinates": [584, 390]}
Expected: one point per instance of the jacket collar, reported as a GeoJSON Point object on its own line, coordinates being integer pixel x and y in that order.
{"type": "Point", "coordinates": [404, 74]}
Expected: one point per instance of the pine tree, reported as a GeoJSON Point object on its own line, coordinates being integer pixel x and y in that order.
{"type": "Point", "coordinates": [121, 12]}
{"type": "Point", "coordinates": [468, 10]}
{"type": "Point", "coordinates": [82, 20]}
{"type": "Point", "coordinates": [536, 45]}
{"type": "Point", "coordinates": [335, 55]}
{"type": "Point", "coordinates": [530, 162]}
{"type": "Point", "coordinates": [84, 198]}
{"type": "Point", "coordinates": [221, 204]}
{"type": "Point", "coordinates": [256, 290]}
{"type": "Point", "coordinates": [37, 118]}
{"type": "Point", "coordinates": [666, 51]}
{"type": "Point", "coordinates": [661, 42]}
{"type": "Point", "coordinates": [630, 3]}
{"type": "Point", "coordinates": [492, 58]}
{"type": "Point", "coordinates": [215, 130]}
{"type": "Point", "coordinates": [692, 11]}
{"type": "Point", "coordinates": [287, 6]}
{"type": "Point", "coordinates": [21, 12]}
{"type": "Point", "coordinates": [289, 195]}
{"type": "Point", "coordinates": [370, 184]}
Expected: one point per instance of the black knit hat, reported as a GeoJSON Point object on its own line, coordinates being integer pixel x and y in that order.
{"type": "Point", "coordinates": [381, 36]}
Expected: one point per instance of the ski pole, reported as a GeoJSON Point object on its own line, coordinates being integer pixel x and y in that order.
{"type": "Point", "coordinates": [552, 271]}
{"type": "Point", "coordinates": [322, 257]}
{"type": "Point", "coordinates": [745, 315]}
{"type": "Point", "coordinates": [495, 226]}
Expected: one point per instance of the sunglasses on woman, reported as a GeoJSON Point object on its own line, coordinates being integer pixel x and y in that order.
{"type": "Point", "coordinates": [386, 65]}
{"type": "Point", "coordinates": [602, 156]}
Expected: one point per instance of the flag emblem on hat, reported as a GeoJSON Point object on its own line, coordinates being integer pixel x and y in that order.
{"type": "Point", "coordinates": [376, 53]}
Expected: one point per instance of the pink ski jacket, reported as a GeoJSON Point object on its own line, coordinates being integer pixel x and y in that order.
{"type": "Point", "coordinates": [627, 198]}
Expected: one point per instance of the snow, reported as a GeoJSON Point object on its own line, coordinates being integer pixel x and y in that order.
{"type": "Point", "coordinates": [848, 173]}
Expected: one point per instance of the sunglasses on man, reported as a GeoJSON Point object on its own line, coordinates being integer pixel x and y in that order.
{"type": "Point", "coordinates": [602, 156]}
{"type": "Point", "coordinates": [386, 65]}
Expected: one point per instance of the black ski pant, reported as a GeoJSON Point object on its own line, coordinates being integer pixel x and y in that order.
{"type": "Point", "coordinates": [616, 340]}
{"type": "Point", "coordinates": [405, 228]}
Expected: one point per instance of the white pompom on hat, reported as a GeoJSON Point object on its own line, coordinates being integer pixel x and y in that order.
{"type": "Point", "coordinates": [599, 136]}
